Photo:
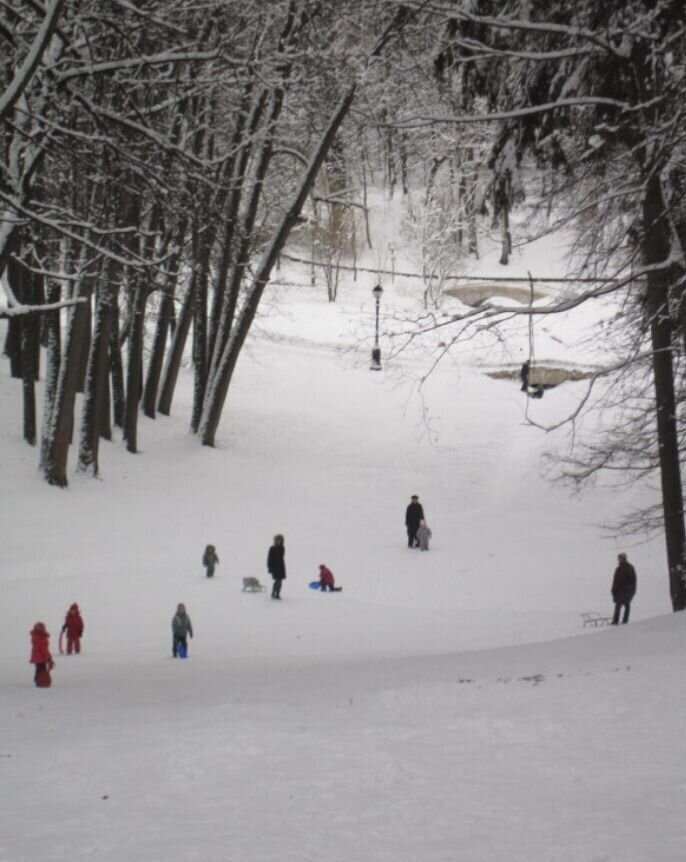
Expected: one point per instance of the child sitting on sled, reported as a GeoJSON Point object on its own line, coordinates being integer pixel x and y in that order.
{"type": "Point", "coordinates": [41, 656]}
{"type": "Point", "coordinates": [73, 626]}
{"type": "Point", "coordinates": [210, 560]}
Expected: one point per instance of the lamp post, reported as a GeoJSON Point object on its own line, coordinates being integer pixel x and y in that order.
{"type": "Point", "coordinates": [376, 350]}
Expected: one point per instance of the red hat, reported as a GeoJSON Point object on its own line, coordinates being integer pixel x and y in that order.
{"type": "Point", "coordinates": [74, 607]}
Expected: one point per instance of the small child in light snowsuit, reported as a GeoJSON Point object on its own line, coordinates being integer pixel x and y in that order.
{"type": "Point", "coordinates": [181, 630]}
{"type": "Point", "coordinates": [423, 536]}
{"type": "Point", "coordinates": [41, 656]}
{"type": "Point", "coordinates": [210, 560]}
{"type": "Point", "coordinates": [73, 626]}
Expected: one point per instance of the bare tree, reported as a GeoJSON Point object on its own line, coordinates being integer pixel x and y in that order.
{"type": "Point", "coordinates": [594, 96]}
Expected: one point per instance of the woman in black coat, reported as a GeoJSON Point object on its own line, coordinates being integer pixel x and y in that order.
{"type": "Point", "coordinates": [623, 588]}
{"type": "Point", "coordinates": [276, 565]}
{"type": "Point", "coordinates": [414, 515]}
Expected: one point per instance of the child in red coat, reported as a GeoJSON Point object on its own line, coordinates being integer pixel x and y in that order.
{"type": "Point", "coordinates": [41, 656]}
{"type": "Point", "coordinates": [73, 626]}
{"type": "Point", "coordinates": [327, 581]}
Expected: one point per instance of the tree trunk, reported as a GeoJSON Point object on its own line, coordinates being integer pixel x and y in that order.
{"type": "Point", "coordinates": [13, 339]}
{"type": "Point", "coordinates": [60, 431]}
{"type": "Point", "coordinates": [506, 240]}
{"type": "Point", "coordinates": [171, 371]}
{"type": "Point", "coordinates": [53, 341]}
{"type": "Point", "coordinates": [220, 382]}
{"type": "Point", "coordinates": [24, 344]}
{"type": "Point", "coordinates": [85, 350]}
{"type": "Point", "coordinates": [117, 371]}
{"type": "Point", "coordinates": [241, 256]}
{"type": "Point", "coordinates": [96, 390]}
{"type": "Point", "coordinates": [504, 202]}
{"type": "Point", "coordinates": [656, 251]}
{"type": "Point", "coordinates": [164, 326]}
{"type": "Point", "coordinates": [201, 255]}
{"type": "Point", "coordinates": [30, 352]}
{"type": "Point", "coordinates": [242, 144]}
{"type": "Point", "coordinates": [134, 370]}
{"type": "Point", "coordinates": [105, 417]}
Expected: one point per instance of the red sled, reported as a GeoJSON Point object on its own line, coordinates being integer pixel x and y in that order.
{"type": "Point", "coordinates": [43, 678]}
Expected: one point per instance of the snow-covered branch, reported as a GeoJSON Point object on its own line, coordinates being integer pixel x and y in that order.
{"type": "Point", "coordinates": [516, 114]}
{"type": "Point", "coordinates": [19, 309]}
{"type": "Point", "coordinates": [138, 63]}
{"type": "Point", "coordinates": [27, 70]}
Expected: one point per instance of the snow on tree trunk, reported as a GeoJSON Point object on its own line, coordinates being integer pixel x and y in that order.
{"type": "Point", "coordinates": [62, 420]}
{"type": "Point", "coordinates": [96, 388]}
{"type": "Point", "coordinates": [53, 341]}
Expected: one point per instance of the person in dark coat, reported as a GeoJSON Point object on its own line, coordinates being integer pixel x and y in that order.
{"type": "Point", "coordinates": [524, 375]}
{"type": "Point", "coordinates": [210, 559]}
{"type": "Point", "coordinates": [276, 565]}
{"type": "Point", "coordinates": [414, 515]}
{"type": "Point", "coordinates": [623, 588]}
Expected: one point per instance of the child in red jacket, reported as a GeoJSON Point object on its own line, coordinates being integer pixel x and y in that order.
{"type": "Point", "coordinates": [327, 581]}
{"type": "Point", "coordinates": [73, 626]}
{"type": "Point", "coordinates": [41, 656]}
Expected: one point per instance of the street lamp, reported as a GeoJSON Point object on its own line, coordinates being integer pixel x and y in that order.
{"type": "Point", "coordinates": [376, 350]}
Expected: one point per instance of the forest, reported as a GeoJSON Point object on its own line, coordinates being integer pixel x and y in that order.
{"type": "Point", "coordinates": [158, 158]}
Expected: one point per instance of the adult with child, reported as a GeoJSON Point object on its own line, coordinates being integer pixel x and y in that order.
{"type": "Point", "coordinates": [276, 564]}
{"type": "Point", "coordinates": [623, 588]}
{"type": "Point", "coordinates": [182, 629]}
{"type": "Point", "coordinates": [414, 515]}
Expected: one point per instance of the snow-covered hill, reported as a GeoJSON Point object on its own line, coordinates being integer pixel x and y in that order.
{"type": "Point", "coordinates": [446, 705]}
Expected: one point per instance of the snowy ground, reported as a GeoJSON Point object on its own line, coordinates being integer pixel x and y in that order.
{"type": "Point", "coordinates": [444, 706]}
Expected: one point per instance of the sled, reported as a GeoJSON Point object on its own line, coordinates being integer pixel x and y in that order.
{"type": "Point", "coordinates": [593, 619]}
{"type": "Point", "coordinates": [60, 644]}
{"type": "Point", "coordinates": [182, 651]}
{"type": "Point", "coordinates": [43, 678]}
{"type": "Point", "coordinates": [316, 585]}
{"type": "Point", "coordinates": [252, 585]}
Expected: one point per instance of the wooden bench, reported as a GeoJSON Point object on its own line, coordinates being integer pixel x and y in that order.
{"type": "Point", "coordinates": [591, 618]}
